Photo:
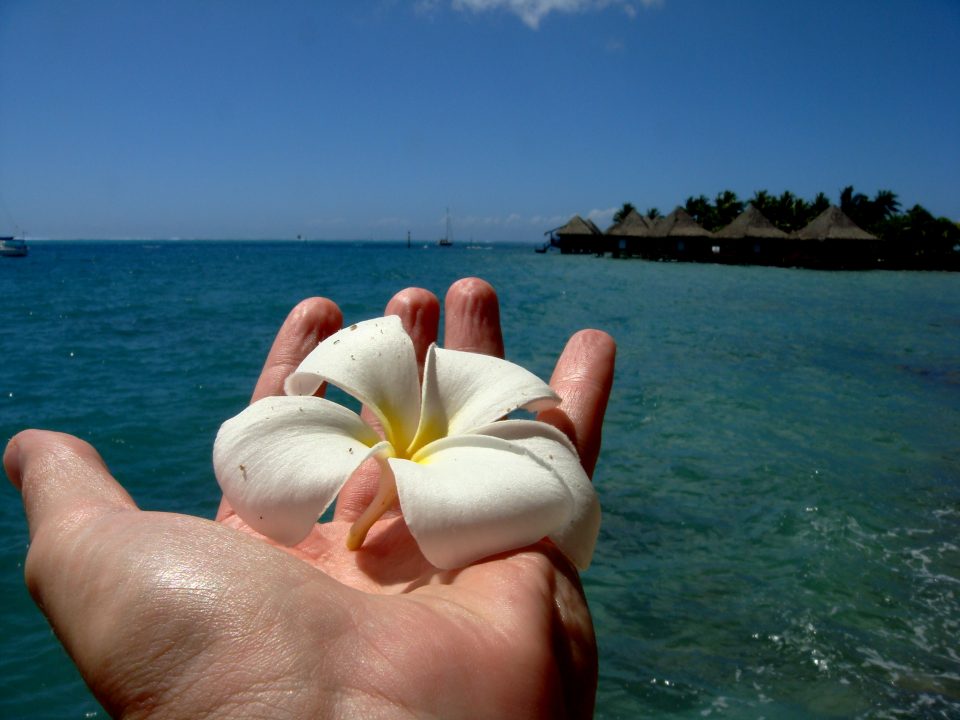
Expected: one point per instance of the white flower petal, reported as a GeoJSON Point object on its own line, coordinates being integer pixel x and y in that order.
{"type": "Point", "coordinates": [467, 497]}
{"type": "Point", "coordinates": [282, 461]}
{"type": "Point", "coordinates": [577, 537]}
{"type": "Point", "coordinates": [375, 362]}
{"type": "Point", "coordinates": [462, 390]}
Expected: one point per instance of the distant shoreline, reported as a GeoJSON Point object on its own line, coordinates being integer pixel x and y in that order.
{"type": "Point", "coordinates": [398, 244]}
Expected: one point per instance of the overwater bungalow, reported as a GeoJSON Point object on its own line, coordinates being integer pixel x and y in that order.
{"type": "Point", "coordinates": [680, 237]}
{"type": "Point", "coordinates": [579, 236]}
{"type": "Point", "coordinates": [631, 236]}
{"type": "Point", "coordinates": [751, 239]}
{"type": "Point", "coordinates": [833, 240]}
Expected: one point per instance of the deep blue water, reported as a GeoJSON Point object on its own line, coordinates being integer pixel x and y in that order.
{"type": "Point", "coordinates": [780, 474]}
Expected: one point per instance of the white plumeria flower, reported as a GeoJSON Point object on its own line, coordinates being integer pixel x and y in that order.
{"type": "Point", "coordinates": [469, 485]}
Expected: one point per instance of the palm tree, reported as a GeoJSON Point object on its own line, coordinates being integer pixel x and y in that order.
{"type": "Point", "coordinates": [653, 213]}
{"type": "Point", "coordinates": [728, 207]}
{"type": "Point", "coordinates": [780, 210]}
{"type": "Point", "coordinates": [807, 211]}
{"type": "Point", "coordinates": [885, 204]}
{"type": "Point", "coordinates": [869, 214]}
{"type": "Point", "coordinates": [846, 198]}
{"type": "Point", "coordinates": [820, 203]}
{"type": "Point", "coordinates": [855, 206]}
{"type": "Point", "coordinates": [700, 210]}
{"type": "Point", "coordinates": [761, 200]}
{"type": "Point", "coordinates": [801, 211]}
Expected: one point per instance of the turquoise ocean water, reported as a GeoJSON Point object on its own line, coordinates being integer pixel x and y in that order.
{"type": "Point", "coordinates": [780, 474]}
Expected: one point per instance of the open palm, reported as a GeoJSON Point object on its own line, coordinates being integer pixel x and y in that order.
{"type": "Point", "coordinates": [176, 616]}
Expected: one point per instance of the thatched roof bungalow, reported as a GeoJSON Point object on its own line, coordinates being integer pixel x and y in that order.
{"type": "Point", "coordinates": [629, 236]}
{"type": "Point", "coordinates": [833, 240]}
{"type": "Point", "coordinates": [680, 237]}
{"type": "Point", "coordinates": [751, 224]}
{"type": "Point", "coordinates": [833, 224]}
{"type": "Point", "coordinates": [679, 224]}
{"type": "Point", "coordinates": [632, 225]}
{"type": "Point", "coordinates": [751, 239]}
{"type": "Point", "coordinates": [579, 236]}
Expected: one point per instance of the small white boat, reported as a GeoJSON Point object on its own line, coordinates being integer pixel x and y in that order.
{"type": "Point", "coordinates": [13, 247]}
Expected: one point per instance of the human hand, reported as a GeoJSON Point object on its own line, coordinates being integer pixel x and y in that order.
{"type": "Point", "coordinates": [175, 616]}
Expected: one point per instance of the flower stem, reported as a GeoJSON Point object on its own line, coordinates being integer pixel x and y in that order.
{"type": "Point", "coordinates": [385, 497]}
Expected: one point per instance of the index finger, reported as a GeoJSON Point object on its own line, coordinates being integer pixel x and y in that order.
{"type": "Point", "coordinates": [311, 321]}
{"type": "Point", "coordinates": [308, 323]}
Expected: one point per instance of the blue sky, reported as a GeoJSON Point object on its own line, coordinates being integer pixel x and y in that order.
{"type": "Point", "coordinates": [366, 119]}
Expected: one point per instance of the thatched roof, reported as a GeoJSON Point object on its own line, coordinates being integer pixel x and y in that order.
{"type": "Point", "coordinates": [633, 225]}
{"type": "Point", "coordinates": [751, 224]}
{"type": "Point", "coordinates": [579, 226]}
{"type": "Point", "coordinates": [679, 224]}
{"type": "Point", "coordinates": [833, 224]}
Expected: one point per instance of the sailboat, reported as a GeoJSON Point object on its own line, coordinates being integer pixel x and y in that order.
{"type": "Point", "coordinates": [447, 240]}
{"type": "Point", "coordinates": [13, 247]}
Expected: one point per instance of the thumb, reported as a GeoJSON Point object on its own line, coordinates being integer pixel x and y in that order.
{"type": "Point", "coordinates": [62, 480]}
{"type": "Point", "coordinates": [66, 491]}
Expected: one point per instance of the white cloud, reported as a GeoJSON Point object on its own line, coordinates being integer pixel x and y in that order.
{"type": "Point", "coordinates": [602, 217]}
{"type": "Point", "coordinates": [549, 221]}
{"type": "Point", "coordinates": [531, 12]}
{"type": "Point", "coordinates": [481, 221]}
